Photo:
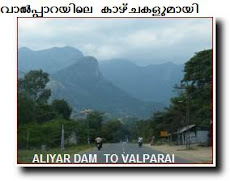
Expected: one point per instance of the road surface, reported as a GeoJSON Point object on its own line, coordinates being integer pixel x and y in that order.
{"type": "Point", "coordinates": [128, 153]}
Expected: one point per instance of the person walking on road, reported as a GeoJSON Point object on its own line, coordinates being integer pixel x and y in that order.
{"type": "Point", "coordinates": [152, 141]}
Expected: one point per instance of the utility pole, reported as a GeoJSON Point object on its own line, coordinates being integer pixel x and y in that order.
{"type": "Point", "coordinates": [187, 117]}
{"type": "Point", "coordinates": [187, 122]}
{"type": "Point", "coordinates": [87, 112]}
{"type": "Point", "coordinates": [27, 139]}
{"type": "Point", "coordinates": [62, 138]}
{"type": "Point", "coordinates": [87, 128]}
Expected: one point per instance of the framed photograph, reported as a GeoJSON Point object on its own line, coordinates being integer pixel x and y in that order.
{"type": "Point", "coordinates": [116, 92]}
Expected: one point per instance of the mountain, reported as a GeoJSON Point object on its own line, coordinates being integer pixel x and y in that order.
{"type": "Point", "coordinates": [49, 60]}
{"type": "Point", "coordinates": [86, 88]}
{"type": "Point", "coordinates": [150, 83]}
{"type": "Point", "coordinates": [77, 79]}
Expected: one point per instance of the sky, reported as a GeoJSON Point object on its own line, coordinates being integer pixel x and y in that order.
{"type": "Point", "coordinates": [143, 41]}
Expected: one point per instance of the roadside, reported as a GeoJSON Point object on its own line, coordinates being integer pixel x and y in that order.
{"type": "Point", "coordinates": [196, 154]}
{"type": "Point", "coordinates": [26, 156]}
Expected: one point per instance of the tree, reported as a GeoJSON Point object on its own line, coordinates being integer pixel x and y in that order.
{"type": "Point", "coordinates": [33, 97]}
{"type": "Point", "coordinates": [62, 108]}
{"type": "Point", "coordinates": [33, 85]}
{"type": "Point", "coordinates": [111, 130]}
{"type": "Point", "coordinates": [198, 81]}
{"type": "Point", "coordinates": [26, 109]}
{"type": "Point", "coordinates": [95, 119]}
{"type": "Point", "coordinates": [44, 113]}
{"type": "Point", "coordinates": [47, 133]}
{"type": "Point", "coordinates": [198, 70]}
{"type": "Point", "coordinates": [40, 122]}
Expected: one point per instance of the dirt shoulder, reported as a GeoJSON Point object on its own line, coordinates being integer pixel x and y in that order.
{"type": "Point", "coordinates": [197, 154]}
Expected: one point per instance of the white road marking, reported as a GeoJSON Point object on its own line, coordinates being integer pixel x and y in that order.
{"type": "Point", "coordinates": [123, 148]}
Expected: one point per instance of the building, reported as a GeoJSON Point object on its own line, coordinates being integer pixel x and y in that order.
{"type": "Point", "coordinates": [194, 133]}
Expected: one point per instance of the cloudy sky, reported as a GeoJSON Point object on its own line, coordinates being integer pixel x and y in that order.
{"type": "Point", "coordinates": [143, 41]}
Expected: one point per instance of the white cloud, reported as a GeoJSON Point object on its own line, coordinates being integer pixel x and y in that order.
{"type": "Point", "coordinates": [149, 39]}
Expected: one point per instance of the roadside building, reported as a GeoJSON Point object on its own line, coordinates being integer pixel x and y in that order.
{"type": "Point", "coordinates": [192, 132]}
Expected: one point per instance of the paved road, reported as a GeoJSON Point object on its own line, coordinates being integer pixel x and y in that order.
{"type": "Point", "coordinates": [130, 153]}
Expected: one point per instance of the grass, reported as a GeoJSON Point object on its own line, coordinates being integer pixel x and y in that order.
{"type": "Point", "coordinates": [186, 149]}
{"type": "Point", "coordinates": [26, 156]}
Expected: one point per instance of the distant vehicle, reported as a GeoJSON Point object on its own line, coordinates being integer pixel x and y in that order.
{"type": "Point", "coordinates": [99, 145]}
{"type": "Point", "coordinates": [140, 141]}
{"type": "Point", "coordinates": [99, 142]}
{"type": "Point", "coordinates": [140, 144]}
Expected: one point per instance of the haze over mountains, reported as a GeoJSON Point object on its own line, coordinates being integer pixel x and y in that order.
{"type": "Point", "coordinates": [149, 83]}
{"type": "Point", "coordinates": [117, 87]}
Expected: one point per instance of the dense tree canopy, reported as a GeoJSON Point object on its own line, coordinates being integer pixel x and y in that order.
{"type": "Point", "coordinates": [61, 107]}
{"type": "Point", "coordinates": [39, 121]}
{"type": "Point", "coordinates": [198, 70]}
{"type": "Point", "coordinates": [198, 78]}
{"type": "Point", "coordinates": [33, 85]}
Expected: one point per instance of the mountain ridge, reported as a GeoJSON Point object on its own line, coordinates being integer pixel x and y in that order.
{"type": "Point", "coordinates": [83, 85]}
{"type": "Point", "coordinates": [50, 60]}
{"type": "Point", "coordinates": [154, 82]}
